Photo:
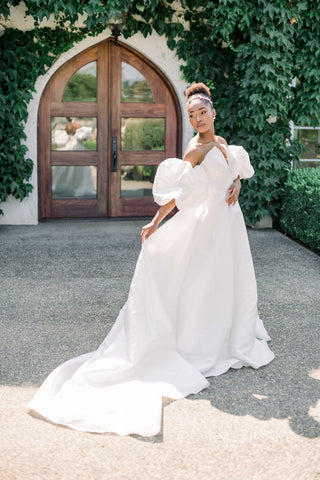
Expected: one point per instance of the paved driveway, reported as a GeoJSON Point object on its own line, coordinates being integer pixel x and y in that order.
{"type": "Point", "coordinates": [61, 287]}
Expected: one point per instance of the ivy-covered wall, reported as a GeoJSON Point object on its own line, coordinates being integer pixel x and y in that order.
{"type": "Point", "coordinates": [248, 51]}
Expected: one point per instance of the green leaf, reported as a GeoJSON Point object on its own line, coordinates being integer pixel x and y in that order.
{"type": "Point", "coordinates": [140, 7]}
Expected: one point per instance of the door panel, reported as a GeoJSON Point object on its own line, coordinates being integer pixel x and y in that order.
{"type": "Point", "coordinates": [107, 118]}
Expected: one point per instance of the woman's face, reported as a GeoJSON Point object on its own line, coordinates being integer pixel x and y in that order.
{"type": "Point", "coordinates": [201, 115]}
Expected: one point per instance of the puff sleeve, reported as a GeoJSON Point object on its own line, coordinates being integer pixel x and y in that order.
{"type": "Point", "coordinates": [177, 179]}
{"type": "Point", "coordinates": [240, 162]}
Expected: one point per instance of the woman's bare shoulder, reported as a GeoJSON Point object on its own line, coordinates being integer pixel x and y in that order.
{"type": "Point", "coordinates": [192, 145]}
{"type": "Point", "coordinates": [221, 140]}
{"type": "Point", "coordinates": [193, 153]}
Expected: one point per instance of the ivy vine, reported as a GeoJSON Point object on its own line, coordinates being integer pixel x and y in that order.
{"type": "Point", "coordinates": [248, 51]}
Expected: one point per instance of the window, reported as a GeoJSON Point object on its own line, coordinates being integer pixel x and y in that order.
{"type": "Point", "coordinates": [73, 133]}
{"type": "Point", "coordinates": [83, 85]}
{"type": "Point", "coordinates": [143, 133]}
{"type": "Point", "coordinates": [74, 182]}
{"type": "Point", "coordinates": [309, 138]}
{"type": "Point", "coordinates": [134, 87]}
{"type": "Point", "coordinates": [137, 180]}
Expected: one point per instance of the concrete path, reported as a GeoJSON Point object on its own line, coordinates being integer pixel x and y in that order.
{"type": "Point", "coordinates": [61, 287]}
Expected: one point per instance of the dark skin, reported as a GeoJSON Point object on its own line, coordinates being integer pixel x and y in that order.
{"type": "Point", "coordinates": [201, 117]}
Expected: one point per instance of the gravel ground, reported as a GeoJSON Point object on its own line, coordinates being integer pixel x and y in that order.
{"type": "Point", "coordinates": [61, 287]}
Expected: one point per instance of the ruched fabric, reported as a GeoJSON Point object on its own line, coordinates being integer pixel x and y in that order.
{"type": "Point", "coordinates": [191, 311]}
{"type": "Point", "coordinates": [239, 162]}
{"type": "Point", "coordinates": [176, 179]}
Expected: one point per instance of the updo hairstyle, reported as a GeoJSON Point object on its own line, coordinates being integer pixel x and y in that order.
{"type": "Point", "coordinates": [198, 91]}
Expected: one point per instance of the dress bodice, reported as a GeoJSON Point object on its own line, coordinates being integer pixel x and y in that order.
{"type": "Point", "coordinates": [191, 186]}
{"type": "Point", "coordinates": [218, 170]}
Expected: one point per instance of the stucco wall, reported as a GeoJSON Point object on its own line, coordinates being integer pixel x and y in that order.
{"type": "Point", "coordinates": [153, 47]}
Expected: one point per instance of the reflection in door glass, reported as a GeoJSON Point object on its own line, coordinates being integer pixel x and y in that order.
{"type": "Point", "coordinates": [142, 133]}
{"type": "Point", "coordinates": [137, 180]}
{"type": "Point", "coordinates": [83, 85]}
{"type": "Point", "coordinates": [74, 182]}
{"type": "Point", "coordinates": [73, 133]}
{"type": "Point", "coordinates": [134, 87]}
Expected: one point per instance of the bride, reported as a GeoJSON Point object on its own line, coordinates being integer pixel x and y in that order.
{"type": "Point", "coordinates": [191, 311]}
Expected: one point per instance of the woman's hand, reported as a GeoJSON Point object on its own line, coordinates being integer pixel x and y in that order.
{"type": "Point", "coordinates": [148, 230]}
{"type": "Point", "coordinates": [234, 191]}
{"type": "Point", "coordinates": [151, 227]}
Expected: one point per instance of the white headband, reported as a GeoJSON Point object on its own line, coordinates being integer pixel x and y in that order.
{"type": "Point", "coordinates": [200, 96]}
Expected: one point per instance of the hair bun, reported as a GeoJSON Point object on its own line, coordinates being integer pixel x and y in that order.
{"type": "Point", "coordinates": [197, 88]}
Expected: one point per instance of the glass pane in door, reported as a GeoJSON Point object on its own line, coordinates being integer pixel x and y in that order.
{"type": "Point", "coordinates": [142, 133]}
{"type": "Point", "coordinates": [83, 85]}
{"type": "Point", "coordinates": [74, 182]}
{"type": "Point", "coordinates": [73, 133]}
{"type": "Point", "coordinates": [134, 87]}
{"type": "Point", "coordinates": [137, 180]}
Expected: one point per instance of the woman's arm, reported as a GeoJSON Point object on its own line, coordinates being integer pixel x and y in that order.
{"type": "Point", "coordinates": [164, 210]}
{"type": "Point", "coordinates": [151, 227]}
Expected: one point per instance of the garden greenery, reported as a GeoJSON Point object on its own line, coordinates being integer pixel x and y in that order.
{"type": "Point", "coordinates": [247, 51]}
{"type": "Point", "coordinates": [300, 211]}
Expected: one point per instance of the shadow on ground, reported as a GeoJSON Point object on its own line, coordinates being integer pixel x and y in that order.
{"type": "Point", "coordinates": [63, 283]}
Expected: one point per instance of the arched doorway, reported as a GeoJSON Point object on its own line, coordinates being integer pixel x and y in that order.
{"type": "Point", "coordinates": [106, 119]}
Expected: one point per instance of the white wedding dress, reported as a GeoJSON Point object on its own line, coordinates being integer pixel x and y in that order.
{"type": "Point", "coordinates": [191, 312]}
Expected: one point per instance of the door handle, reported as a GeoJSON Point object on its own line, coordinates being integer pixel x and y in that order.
{"type": "Point", "coordinates": [114, 154]}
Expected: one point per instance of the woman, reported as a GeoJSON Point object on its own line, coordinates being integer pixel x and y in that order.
{"type": "Point", "coordinates": [191, 312]}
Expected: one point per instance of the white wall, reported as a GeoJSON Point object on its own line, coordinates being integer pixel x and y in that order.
{"type": "Point", "coordinates": [153, 47]}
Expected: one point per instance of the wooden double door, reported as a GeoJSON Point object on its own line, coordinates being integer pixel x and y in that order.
{"type": "Point", "coordinates": [107, 118]}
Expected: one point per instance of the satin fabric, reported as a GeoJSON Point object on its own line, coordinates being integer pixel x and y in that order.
{"type": "Point", "coordinates": [191, 311]}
